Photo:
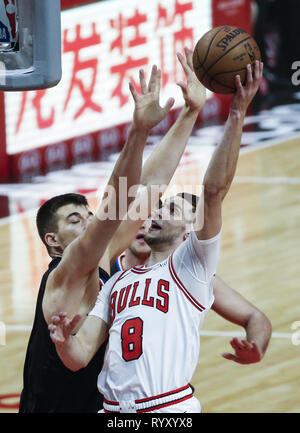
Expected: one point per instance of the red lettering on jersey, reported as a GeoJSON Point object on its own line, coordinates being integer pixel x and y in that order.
{"type": "Point", "coordinates": [122, 302]}
{"type": "Point", "coordinates": [133, 301]}
{"type": "Point", "coordinates": [145, 301]}
{"type": "Point", "coordinates": [163, 286]}
{"type": "Point", "coordinates": [112, 306]}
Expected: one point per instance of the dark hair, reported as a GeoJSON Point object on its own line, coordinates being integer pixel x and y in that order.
{"type": "Point", "coordinates": [191, 198]}
{"type": "Point", "coordinates": [46, 219]}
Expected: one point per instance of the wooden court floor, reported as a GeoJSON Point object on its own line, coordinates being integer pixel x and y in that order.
{"type": "Point", "coordinates": [259, 258]}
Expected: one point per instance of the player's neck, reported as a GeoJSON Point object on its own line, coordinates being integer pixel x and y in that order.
{"type": "Point", "coordinates": [161, 254]}
{"type": "Point", "coordinates": [129, 260]}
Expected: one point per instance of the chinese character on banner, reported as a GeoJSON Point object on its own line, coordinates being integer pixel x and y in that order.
{"type": "Point", "coordinates": [121, 24]}
{"type": "Point", "coordinates": [181, 38]}
{"type": "Point", "coordinates": [86, 91]}
{"type": "Point", "coordinates": [42, 122]}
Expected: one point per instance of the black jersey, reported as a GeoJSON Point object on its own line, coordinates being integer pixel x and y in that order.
{"type": "Point", "coordinates": [49, 386]}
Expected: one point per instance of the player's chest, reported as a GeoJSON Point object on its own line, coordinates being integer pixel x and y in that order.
{"type": "Point", "coordinates": [148, 291]}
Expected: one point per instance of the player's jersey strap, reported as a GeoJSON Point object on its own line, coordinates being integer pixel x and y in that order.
{"type": "Point", "coordinates": [181, 286]}
{"type": "Point", "coordinates": [151, 403]}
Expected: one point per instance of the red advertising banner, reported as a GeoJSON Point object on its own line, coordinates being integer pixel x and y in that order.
{"type": "Point", "coordinates": [232, 13]}
{"type": "Point", "coordinates": [105, 43]}
{"type": "Point", "coordinates": [104, 46]}
{"type": "Point", "coordinates": [67, 4]}
{"type": "Point", "coordinates": [4, 164]}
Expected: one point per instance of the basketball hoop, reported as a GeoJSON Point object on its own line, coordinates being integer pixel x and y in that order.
{"type": "Point", "coordinates": [30, 58]}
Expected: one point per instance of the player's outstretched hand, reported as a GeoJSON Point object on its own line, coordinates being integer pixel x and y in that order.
{"type": "Point", "coordinates": [244, 94]}
{"type": "Point", "coordinates": [193, 91]}
{"type": "Point", "coordinates": [245, 352]}
{"type": "Point", "coordinates": [61, 328]}
{"type": "Point", "coordinates": [148, 112]}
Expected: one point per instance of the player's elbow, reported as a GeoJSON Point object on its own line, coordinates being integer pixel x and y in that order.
{"type": "Point", "coordinates": [79, 365]}
{"type": "Point", "coordinates": [213, 191]}
{"type": "Point", "coordinates": [261, 322]}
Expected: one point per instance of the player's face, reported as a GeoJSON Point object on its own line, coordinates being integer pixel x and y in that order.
{"type": "Point", "coordinates": [139, 247]}
{"type": "Point", "coordinates": [72, 220]}
{"type": "Point", "coordinates": [170, 222]}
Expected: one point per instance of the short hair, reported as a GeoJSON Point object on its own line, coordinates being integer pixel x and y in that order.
{"type": "Point", "coordinates": [46, 219]}
{"type": "Point", "coordinates": [191, 198]}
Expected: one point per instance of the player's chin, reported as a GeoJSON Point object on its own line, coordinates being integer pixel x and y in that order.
{"type": "Point", "coordinates": [141, 247]}
{"type": "Point", "coordinates": [153, 237]}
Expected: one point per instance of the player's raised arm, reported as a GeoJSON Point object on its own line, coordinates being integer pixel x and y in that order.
{"type": "Point", "coordinates": [221, 169]}
{"type": "Point", "coordinates": [160, 167]}
{"type": "Point", "coordinates": [232, 306]}
{"type": "Point", "coordinates": [83, 254]}
{"type": "Point", "coordinates": [162, 163]}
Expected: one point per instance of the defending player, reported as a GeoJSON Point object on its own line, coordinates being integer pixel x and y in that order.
{"type": "Point", "coordinates": [154, 314]}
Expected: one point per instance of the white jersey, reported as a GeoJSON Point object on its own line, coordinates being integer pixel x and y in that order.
{"type": "Point", "coordinates": [155, 315]}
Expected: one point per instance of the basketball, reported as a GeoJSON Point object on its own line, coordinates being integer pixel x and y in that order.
{"type": "Point", "coordinates": [221, 54]}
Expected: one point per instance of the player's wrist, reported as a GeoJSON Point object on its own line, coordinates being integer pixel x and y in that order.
{"type": "Point", "coordinates": [140, 130]}
{"type": "Point", "coordinates": [237, 114]}
{"type": "Point", "coordinates": [191, 110]}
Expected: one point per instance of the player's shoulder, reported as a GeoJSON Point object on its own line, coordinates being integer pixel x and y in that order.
{"type": "Point", "coordinates": [119, 275]}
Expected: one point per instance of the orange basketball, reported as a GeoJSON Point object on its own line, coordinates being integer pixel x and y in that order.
{"type": "Point", "coordinates": [221, 54]}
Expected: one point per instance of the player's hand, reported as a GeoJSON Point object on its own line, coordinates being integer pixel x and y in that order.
{"type": "Point", "coordinates": [245, 352]}
{"type": "Point", "coordinates": [61, 328]}
{"type": "Point", "coordinates": [244, 94]}
{"type": "Point", "coordinates": [148, 112]}
{"type": "Point", "coordinates": [193, 91]}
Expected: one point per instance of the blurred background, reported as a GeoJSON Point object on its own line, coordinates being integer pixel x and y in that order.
{"type": "Point", "coordinates": [67, 138]}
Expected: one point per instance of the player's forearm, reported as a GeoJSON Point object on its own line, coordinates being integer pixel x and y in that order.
{"type": "Point", "coordinates": [114, 206]}
{"type": "Point", "coordinates": [221, 169]}
{"type": "Point", "coordinates": [129, 164]}
{"type": "Point", "coordinates": [72, 354]}
{"type": "Point", "coordinates": [259, 330]}
{"type": "Point", "coordinates": [162, 163]}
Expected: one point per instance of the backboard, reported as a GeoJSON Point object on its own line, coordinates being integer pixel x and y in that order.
{"type": "Point", "coordinates": [30, 44]}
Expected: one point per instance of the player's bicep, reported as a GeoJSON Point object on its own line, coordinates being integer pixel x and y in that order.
{"type": "Point", "coordinates": [57, 296]}
{"type": "Point", "coordinates": [69, 269]}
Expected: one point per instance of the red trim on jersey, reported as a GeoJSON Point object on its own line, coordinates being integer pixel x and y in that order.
{"type": "Point", "coordinates": [119, 259]}
{"type": "Point", "coordinates": [182, 287]}
{"type": "Point", "coordinates": [121, 275]}
{"type": "Point", "coordinates": [170, 403]}
{"type": "Point", "coordinates": [159, 405]}
{"type": "Point", "coordinates": [137, 270]}
{"type": "Point", "coordinates": [143, 400]}
{"type": "Point", "coordinates": [113, 403]}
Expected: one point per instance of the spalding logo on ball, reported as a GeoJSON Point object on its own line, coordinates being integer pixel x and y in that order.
{"type": "Point", "coordinates": [221, 54]}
